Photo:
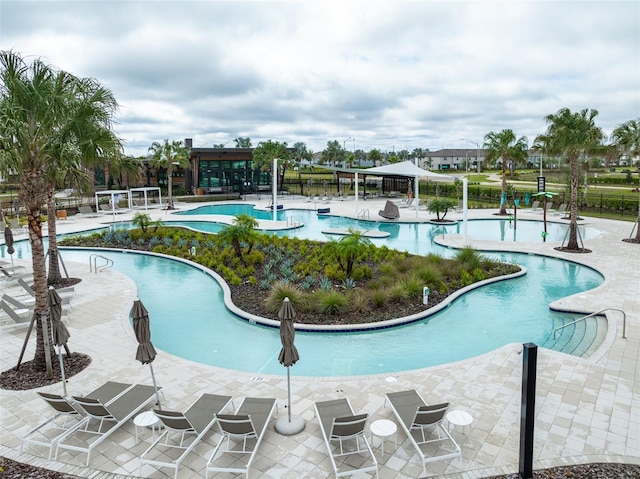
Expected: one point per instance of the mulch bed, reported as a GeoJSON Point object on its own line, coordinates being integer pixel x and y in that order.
{"type": "Point", "coordinates": [15, 470]}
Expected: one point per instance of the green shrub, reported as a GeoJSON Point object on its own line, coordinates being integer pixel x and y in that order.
{"type": "Point", "coordinates": [281, 290]}
{"type": "Point", "coordinates": [331, 302]}
{"type": "Point", "coordinates": [379, 298]}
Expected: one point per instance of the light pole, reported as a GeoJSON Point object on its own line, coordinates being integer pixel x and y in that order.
{"type": "Point", "coordinates": [477, 151]}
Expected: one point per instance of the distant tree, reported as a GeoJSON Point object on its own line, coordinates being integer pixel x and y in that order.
{"type": "Point", "coordinates": [300, 155]}
{"type": "Point", "coordinates": [572, 134]}
{"type": "Point", "coordinates": [243, 142]}
{"type": "Point", "coordinates": [333, 154]}
{"type": "Point", "coordinates": [168, 155]}
{"type": "Point", "coordinates": [506, 146]}
{"type": "Point", "coordinates": [266, 152]}
{"type": "Point", "coordinates": [375, 156]}
{"type": "Point", "coordinates": [403, 155]}
{"type": "Point", "coordinates": [219, 145]}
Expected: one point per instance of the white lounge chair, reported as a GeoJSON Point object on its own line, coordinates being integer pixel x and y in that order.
{"type": "Point", "coordinates": [340, 425]}
{"type": "Point", "coordinates": [196, 421]}
{"type": "Point", "coordinates": [242, 434]}
{"type": "Point", "coordinates": [109, 417]}
{"type": "Point", "coordinates": [423, 425]}
{"type": "Point", "coordinates": [86, 211]}
{"type": "Point", "coordinates": [19, 315]}
{"type": "Point", "coordinates": [49, 432]}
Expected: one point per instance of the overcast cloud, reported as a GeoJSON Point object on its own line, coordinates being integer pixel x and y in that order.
{"type": "Point", "coordinates": [389, 74]}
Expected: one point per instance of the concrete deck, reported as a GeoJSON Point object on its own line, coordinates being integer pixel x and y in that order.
{"type": "Point", "coordinates": [588, 409]}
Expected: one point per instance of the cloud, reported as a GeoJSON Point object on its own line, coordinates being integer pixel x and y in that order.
{"type": "Point", "coordinates": [391, 74]}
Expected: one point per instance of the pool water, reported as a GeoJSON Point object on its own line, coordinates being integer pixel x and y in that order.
{"type": "Point", "coordinates": [202, 329]}
{"type": "Point", "coordinates": [501, 229]}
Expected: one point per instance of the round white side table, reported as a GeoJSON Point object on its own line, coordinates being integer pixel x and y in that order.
{"type": "Point", "coordinates": [146, 419]}
{"type": "Point", "coordinates": [384, 428]}
{"type": "Point", "coordinates": [459, 418]}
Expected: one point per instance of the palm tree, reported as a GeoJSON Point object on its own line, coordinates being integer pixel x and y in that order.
{"type": "Point", "coordinates": [348, 248]}
{"type": "Point", "coordinates": [241, 231]}
{"type": "Point", "coordinates": [167, 155]}
{"type": "Point", "coordinates": [626, 138]}
{"type": "Point", "coordinates": [375, 156]}
{"type": "Point", "coordinates": [333, 153]}
{"type": "Point", "coordinates": [242, 142]}
{"type": "Point", "coordinates": [266, 152]}
{"type": "Point", "coordinates": [300, 154]}
{"type": "Point", "coordinates": [504, 145]}
{"type": "Point", "coordinates": [573, 134]}
{"type": "Point", "coordinates": [49, 120]}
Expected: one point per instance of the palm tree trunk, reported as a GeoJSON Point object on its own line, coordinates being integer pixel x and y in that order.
{"type": "Point", "coordinates": [573, 206]}
{"type": "Point", "coordinates": [42, 357]}
{"type": "Point", "coordinates": [54, 264]}
{"type": "Point", "coordinates": [503, 204]}
{"type": "Point", "coordinates": [32, 189]}
{"type": "Point", "coordinates": [170, 185]}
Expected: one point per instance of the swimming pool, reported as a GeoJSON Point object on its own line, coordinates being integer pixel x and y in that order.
{"type": "Point", "coordinates": [203, 330]}
{"type": "Point", "coordinates": [487, 318]}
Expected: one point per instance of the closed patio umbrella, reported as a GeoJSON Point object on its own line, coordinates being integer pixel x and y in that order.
{"type": "Point", "coordinates": [59, 331]}
{"type": "Point", "coordinates": [8, 239]}
{"type": "Point", "coordinates": [146, 353]}
{"type": "Point", "coordinates": [288, 357]}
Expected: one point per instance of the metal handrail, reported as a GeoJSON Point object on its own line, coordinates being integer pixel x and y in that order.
{"type": "Point", "coordinates": [94, 258]}
{"type": "Point", "coordinates": [624, 321]}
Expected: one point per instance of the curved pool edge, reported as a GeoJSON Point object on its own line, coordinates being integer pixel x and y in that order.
{"type": "Point", "coordinates": [341, 328]}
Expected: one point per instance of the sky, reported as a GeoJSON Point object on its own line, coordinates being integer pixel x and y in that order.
{"type": "Point", "coordinates": [388, 74]}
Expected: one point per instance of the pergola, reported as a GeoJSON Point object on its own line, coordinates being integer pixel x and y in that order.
{"type": "Point", "coordinates": [145, 192]}
{"type": "Point", "coordinates": [114, 197]}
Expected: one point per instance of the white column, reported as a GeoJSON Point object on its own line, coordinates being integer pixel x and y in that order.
{"type": "Point", "coordinates": [275, 189]}
{"type": "Point", "coordinates": [356, 178]}
{"type": "Point", "coordinates": [465, 197]}
{"type": "Point", "coordinates": [416, 191]}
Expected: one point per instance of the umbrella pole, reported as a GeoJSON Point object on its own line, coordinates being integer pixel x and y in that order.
{"type": "Point", "coordinates": [289, 391]}
{"type": "Point", "coordinates": [64, 380]}
{"type": "Point", "coordinates": [155, 387]}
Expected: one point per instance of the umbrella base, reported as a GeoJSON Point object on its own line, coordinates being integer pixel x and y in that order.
{"type": "Point", "coordinates": [286, 428]}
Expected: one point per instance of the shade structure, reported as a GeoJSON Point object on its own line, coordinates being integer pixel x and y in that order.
{"type": "Point", "coordinates": [59, 331]}
{"type": "Point", "coordinates": [145, 353]}
{"type": "Point", "coordinates": [8, 239]}
{"type": "Point", "coordinates": [288, 357]}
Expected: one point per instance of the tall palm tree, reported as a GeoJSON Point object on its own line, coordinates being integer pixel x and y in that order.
{"type": "Point", "coordinates": [626, 138]}
{"type": "Point", "coordinates": [301, 153]}
{"type": "Point", "coordinates": [266, 152]}
{"type": "Point", "coordinates": [506, 146]}
{"type": "Point", "coordinates": [572, 134]}
{"type": "Point", "coordinates": [48, 119]}
{"type": "Point", "coordinates": [168, 155]}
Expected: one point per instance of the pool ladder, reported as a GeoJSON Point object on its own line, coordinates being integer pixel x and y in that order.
{"type": "Point", "coordinates": [294, 222]}
{"type": "Point", "coordinates": [93, 263]}
{"type": "Point", "coordinates": [363, 213]}
{"type": "Point", "coordinates": [624, 321]}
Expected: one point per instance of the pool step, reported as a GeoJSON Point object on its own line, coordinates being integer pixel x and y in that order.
{"type": "Point", "coordinates": [580, 339]}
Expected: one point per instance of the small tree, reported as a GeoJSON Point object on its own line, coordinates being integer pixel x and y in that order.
{"type": "Point", "coordinates": [440, 206]}
{"type": "Point", "coordinates": [242, 230]}
{"type": "Point", "coordinates": [144, 221]}
{"type": "Point", "coordinates": [167, 155]}
{"type": "Point", "coordinates": [348, 248]}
